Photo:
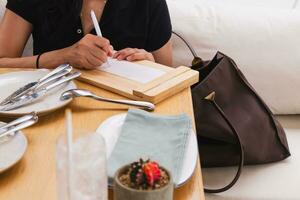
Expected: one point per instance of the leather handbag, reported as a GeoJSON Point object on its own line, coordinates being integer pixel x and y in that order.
{"type": "Point", "coordinates": [234, 126]}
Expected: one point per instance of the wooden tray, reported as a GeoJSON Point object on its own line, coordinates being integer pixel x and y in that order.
{"type": "Point", "coordinates": [172, 82]}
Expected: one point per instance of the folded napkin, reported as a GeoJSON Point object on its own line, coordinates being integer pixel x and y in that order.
{"type": "Point", "coordinates": [159, 138]}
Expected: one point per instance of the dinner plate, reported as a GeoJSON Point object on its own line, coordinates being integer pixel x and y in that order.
{"type": "Point", "coordinates": [110, 130]}
{"type": "Point", "coordinates": [10, 82]}
{"type": "Point", "coordinates": [12, 150]}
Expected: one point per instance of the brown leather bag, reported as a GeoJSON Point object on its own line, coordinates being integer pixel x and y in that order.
{"type": "Point", "coordinates": [234, 125]}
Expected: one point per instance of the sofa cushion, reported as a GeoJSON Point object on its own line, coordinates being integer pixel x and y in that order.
{"type": "Point", "coordinates": [286, 4]}
{"type": "Point", "coordinates": [275, 181]}
{"type": "Point", "coordinates": [2, 8]}
{"type": "Point", "coordinates": [264, 42]}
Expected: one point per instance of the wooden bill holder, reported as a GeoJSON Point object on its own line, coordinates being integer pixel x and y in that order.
{"type": "Point", "coordinates": [172, 82]}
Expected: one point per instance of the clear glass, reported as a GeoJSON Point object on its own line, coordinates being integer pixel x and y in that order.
{"type": "Point", "coordinates": [87, 174]}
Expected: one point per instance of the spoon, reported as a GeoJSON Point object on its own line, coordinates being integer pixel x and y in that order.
{"type": "Point", "coordinates": [85, 93]}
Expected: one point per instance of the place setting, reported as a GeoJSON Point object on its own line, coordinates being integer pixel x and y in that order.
{"type": "Point", "coordinates": [29, 94]}
{"type": "Point", "coordinates": [123, 149]}
{"type": "Point", "coordinates": [137, 154]}
{"type": "Point", "coordinates": [13, 142]}
{"type": "Point", "coordinates": [136, 130]}
{"type": "Point", "coordinates": [25, 96]}
{"type": "Point", "coordinates": [134, 153]}
{"type": "Point", "coordinates": [39, 90]}
{"type": "Point", "coordinates": [136, 136]}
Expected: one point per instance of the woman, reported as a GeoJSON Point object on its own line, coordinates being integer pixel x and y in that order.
{"type": "Point", "coordinates": [63, 32]}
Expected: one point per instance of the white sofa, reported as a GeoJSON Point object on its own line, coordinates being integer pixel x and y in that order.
{"type": "Point", "coordinates": [263, 41]}
{"type": "Point", "coordinates": [278, 181]}
{"type": "Point", "coordinates": [245, 34]}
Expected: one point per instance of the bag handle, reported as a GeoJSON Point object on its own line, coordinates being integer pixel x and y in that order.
{"type": "Point", "coordinates": [197, 61]}
{"type": "Point", "coordinates": [211, 99]}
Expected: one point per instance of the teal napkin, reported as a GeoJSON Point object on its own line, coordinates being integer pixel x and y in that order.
{"type": "Point", "coordinates": [159, 138]}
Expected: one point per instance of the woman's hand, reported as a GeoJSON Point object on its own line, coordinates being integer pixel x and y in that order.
{"type": "Point", "coordinates": [131, 54]}
{"type": "Point", "coordinates": [90, 52]}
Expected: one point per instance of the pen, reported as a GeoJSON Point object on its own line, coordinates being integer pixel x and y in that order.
{"type": "Point", "coordinates": [96, 25]}
{"type": "Point", "coordinates": [95, 22]}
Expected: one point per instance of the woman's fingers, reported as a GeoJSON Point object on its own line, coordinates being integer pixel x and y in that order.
{"type": "Point", "coordinates": [137, 56]}
{"type": "Point", "coordinates": [111, 51]}
{"type": "Point", "coordinates": [123, 54]}
{"type": "Point", "coordinates": [93, 61]}
{"type": "Point", "coordinates": [94, 57]}
{"type": "Point", "coordinates": [98, 53]}
{"type": "Point", "coordinates": [90, 52]}
{"type": "Point", "coordinates": [142, 55]}
{"type": "Point", "coordinates": [131, 54]}
{"type": "Point", "coordinates": [116, 54]}
{"type": "Point", "coordinates": [102, 43]}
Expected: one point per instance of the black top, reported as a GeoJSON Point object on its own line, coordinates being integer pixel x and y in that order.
{"type": "Point", "coordinates": [143, 24]}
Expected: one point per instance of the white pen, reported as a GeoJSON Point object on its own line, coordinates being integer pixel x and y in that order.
{"type": "Point", "coordinates": [95, 22]}
{"type": "Point", "coordinates": [96, 25]}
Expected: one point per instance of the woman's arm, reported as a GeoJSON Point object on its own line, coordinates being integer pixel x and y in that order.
{"type": "Point", "coordinates": [164, 55]}
{"type": "Point", "coordinates": [14, 33]}
{"type": "Point", "coordinates": [89, 53]}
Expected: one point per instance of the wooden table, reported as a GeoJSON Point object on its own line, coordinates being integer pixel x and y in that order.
{"type": "Point", "coordinates": [33, 178]}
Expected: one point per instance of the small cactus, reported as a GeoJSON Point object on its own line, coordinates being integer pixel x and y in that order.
{"type": "Point", "coordinates": [144, 174]}
{"type": "Point", "coordinates": [152, 172]}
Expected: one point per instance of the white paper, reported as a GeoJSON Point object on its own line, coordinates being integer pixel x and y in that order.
{"type": "Point", "coordinates": [132, 71]}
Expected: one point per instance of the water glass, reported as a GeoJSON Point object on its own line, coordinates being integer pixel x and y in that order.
{"type": "Point", "coordinates": [86, 177]}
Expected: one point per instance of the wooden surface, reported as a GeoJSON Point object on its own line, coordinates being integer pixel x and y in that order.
{"type": "Point", "coordinates": [34, 178]}
{"type": "Point", "coordinates": [173, 81]}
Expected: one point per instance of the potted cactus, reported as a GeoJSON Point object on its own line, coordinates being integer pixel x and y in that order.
{"type": "Point", "coordinates": [143, 180]}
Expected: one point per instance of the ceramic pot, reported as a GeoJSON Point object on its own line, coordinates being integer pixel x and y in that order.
{"type": "Point", "coordinates": [122, 192]}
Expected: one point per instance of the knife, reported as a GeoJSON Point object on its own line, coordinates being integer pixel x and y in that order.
{"type": "Point", "coordinates": [37, 86]}
{"type": "Point", "coordinates": [33, 96]}
{"type": "Point", "coordinates": [17, 121]}
{"type": "Point", "coordinates": [24, 124]}
{"type": "Point", "coordinates": [32, 85]}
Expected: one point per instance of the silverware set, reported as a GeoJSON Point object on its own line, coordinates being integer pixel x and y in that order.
{"type": "Point", "coordinates": [33, 91]}
{"type": "Point", "coordinates": [23, 122]}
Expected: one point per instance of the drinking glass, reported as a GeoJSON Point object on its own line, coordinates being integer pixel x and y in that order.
{"type": "Point", "coordinates": [86, 177]}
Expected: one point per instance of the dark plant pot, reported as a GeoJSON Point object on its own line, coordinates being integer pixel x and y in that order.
{"type": "Point", "coordinates": [122, 192]}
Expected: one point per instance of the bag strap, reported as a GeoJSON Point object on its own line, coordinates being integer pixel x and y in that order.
{"type": "Point", "coordinates": [211, 99]}
{"type": "Point", "coordinates": [197, 64]}
{"type": "Point", "coordinates": [197, 61]}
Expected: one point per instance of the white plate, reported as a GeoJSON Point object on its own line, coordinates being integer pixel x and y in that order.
{"type": "Point", "coordinates": [12, 150]}
{"type": "Point", "coordinates": [10, 82]}
{"type": "Point", "coordinates": [110, 130]}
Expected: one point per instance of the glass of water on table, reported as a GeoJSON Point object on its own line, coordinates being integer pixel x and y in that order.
{"type": "Point", "coordinates": [81, 175]}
